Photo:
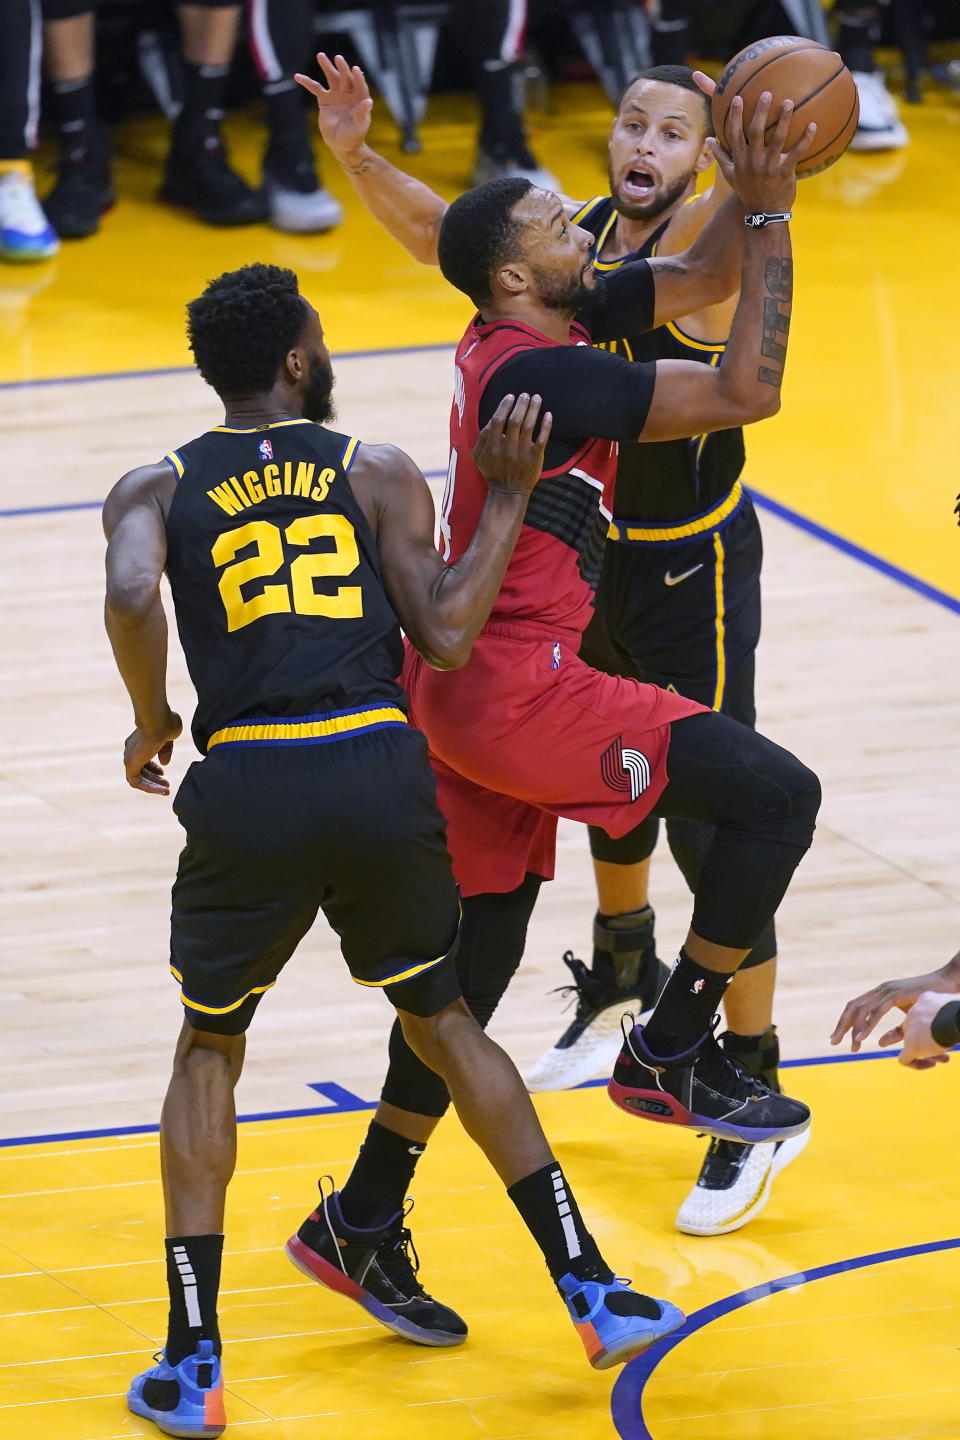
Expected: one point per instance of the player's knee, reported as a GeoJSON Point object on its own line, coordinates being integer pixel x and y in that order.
{"type": "Point", "coordinates": [630, 849]}
{"type": "Point", "coordinates": [196, 1047]}
{"type": "Point", "coordinates": [804, 804]}
{"type": "Point", "coordinates": [431, 1036]}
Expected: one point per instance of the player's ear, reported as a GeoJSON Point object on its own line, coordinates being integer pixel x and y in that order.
{"type": "Point", "coordinates": [293, 365]}
{"type": "Point", "coordinates": [704, 159]}
{"type": "Point", "coordinates": [512, 278]}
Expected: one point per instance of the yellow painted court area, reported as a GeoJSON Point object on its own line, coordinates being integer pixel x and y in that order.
{"type": "Point", "coordinates": [872, 1355]}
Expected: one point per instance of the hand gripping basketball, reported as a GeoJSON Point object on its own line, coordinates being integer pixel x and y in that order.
{"type": "Point", "coordinates": [506, 453]}
{"type": "Point", "coordinates": [759, 169]}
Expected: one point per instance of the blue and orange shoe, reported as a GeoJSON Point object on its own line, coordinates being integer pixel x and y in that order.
{"type": "Point", "coordinates": [614, 1322]}
{"type": "Point", "coordinates": [701, 1088]}
{"type": "Point", "coordinates": [184, 1399]}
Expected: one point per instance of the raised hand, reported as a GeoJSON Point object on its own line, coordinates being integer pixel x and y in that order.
{"type": "Point", "coordinates": [144, 772]}
{"type": "Point", "coordinates": [343, 106]}
{"type": "Point", "coordinates": [506, 452]}
{"type": "Point", "coordinates": [762, 173]}
{"type": "Point", "coordinates": [861, 1015]}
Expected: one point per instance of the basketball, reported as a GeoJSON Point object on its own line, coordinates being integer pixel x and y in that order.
{"type": "Point", "coordinates": [793, 68]}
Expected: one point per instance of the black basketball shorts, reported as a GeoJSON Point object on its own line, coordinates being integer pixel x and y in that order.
{"type": "Point", "coordinates": [276, 833]}
{"type": "Point", "coordinates": [684, 614]}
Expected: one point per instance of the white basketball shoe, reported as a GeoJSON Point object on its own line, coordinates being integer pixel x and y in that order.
{"type": "Point", "coordinates": [734, 1184]}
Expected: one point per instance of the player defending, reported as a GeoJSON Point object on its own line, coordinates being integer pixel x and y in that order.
{"type": "Point", "coordinates": [291, 552]}
{"type": "Point", "coordinates": [678, 601]}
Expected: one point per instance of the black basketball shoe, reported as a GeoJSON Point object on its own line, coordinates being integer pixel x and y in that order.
{"type": "Point", "coordinates": [376, 1268]}
{"type": "Point", "coordinates": [83, 192]}
{"type": "Point", "coordinates": [198, 177]}
{"type": "Point", "coordinates": [625, 972]}
{"type": "Point", "coordinates": [701, 1089]}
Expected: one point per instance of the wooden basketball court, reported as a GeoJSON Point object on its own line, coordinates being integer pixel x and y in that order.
{"type": "Point", "coordinates": [858, 673]}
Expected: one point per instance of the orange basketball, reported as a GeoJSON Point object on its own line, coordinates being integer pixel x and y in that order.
{"type": "Point", "coordinates": [813, 77]}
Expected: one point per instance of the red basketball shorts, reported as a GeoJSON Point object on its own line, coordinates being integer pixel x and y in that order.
{"type": "Point", "coordinates": [526, 732]}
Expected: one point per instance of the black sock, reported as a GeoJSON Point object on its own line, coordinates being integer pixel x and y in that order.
{"type": "Point", "coordinates": [203, 90]}
{"type": "Point", "coordinates": [501, 130]}
{"type": "Point", "coordinates": [75, 108]}
{"type": "Point", "coordinates": [193, 1280]}
{"type": "Point", "coordinates": [285, 117]}
{"type": "Point", "coordinates": [380, 1178]}
{"type": "Point", "coordinates": [856, 38]}
{"type": "Point", "coordinates": [758, 1055]}
{"type": "Point", "coordinates": [550, 1213]}
{"type": "Point", "coordinates": [685, 1010]}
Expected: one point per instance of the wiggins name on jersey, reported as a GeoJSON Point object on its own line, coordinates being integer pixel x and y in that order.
{"type": "Point", "coordinates": [288, 633]}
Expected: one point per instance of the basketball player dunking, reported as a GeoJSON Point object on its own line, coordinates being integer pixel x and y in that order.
{"type": "Point", "coordinates": [678, 602]}
{"type": "Point", "coordinates": [526, 731]}
{"type": "Point", "coordinates": [292, 551]}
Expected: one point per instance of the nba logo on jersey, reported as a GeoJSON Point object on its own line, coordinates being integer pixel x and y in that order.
{"type": "Point", "coordinates": [556, 655]}
{"type": "Point", "coordinates": [266, 450]}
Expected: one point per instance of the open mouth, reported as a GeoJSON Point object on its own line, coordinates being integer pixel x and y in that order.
{"type": "Point", "coordinates": [639, 184]}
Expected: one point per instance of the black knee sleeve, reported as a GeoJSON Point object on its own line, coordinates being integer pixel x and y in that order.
{"type": "Point", "coordinates": [689, 841]}
{"type": "Point", "coordinates": [638, 844]}
{"type": "Point", "coordinates": [493, 934]}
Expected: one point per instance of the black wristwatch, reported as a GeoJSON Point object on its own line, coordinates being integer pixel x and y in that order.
{"type": "Point", "coordinates": [758, 221]}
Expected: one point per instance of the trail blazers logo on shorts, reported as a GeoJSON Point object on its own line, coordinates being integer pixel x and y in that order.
{"type": "Point", "coordinates": [624, 769]}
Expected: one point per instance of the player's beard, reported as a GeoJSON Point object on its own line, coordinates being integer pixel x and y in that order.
{"type": "Point", "coordinates": [566, 293]}
{"type": "Point", "coordinates": [318, 395]}
{"type": "Point", "coordinates": [654, 207]}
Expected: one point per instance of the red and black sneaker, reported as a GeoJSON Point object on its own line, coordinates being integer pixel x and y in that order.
{"type": "Point", "coordinates": [376, 1268]}
{"type": "Point", "coordinates": [702, 1089]}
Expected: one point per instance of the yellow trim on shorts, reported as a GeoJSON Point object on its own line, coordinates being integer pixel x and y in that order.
{"type": "Point", "coordinates": [305, 730]}
{"type": "Point", "coordinates": [217, 1009]}
{"type": "Point", "coordinates": [403, 975]}
{"type": "Point", "coordinates": [623, 530]}
{"type": "Point", "coordinates": [720, 627]}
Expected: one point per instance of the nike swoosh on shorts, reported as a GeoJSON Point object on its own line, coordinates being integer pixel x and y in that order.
{"type": "Point", "coordinates": [669, 579]}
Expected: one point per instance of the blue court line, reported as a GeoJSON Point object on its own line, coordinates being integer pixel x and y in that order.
{"type": "Point", "coordinates": [191, 370]}
{"type": "Point", "coordinates": [344, 1102]}
{"type": "Point", "coordinates": [626, 1402]}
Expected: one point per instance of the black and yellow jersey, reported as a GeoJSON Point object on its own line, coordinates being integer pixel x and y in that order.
{"type": "Point", "coordinates": [670, 480]}
{"type": "Point", "coordinates": [287, 630]}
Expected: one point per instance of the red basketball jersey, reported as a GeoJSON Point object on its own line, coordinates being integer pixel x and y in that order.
{"type": "Point", "coordinates": [556, 564]}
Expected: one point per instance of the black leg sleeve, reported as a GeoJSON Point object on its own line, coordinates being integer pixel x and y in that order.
{"type": "Point", "coordinates": [638, 844]}
{"type": "Point", "coordinates": [763, 804]}
{"type": "Point", "coordinates": [493, 934]}
{"type": "Point", "coordinates": [20, 32]}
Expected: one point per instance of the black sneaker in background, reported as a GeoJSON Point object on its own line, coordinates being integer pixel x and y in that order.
{"type": "Point", "coordinates": [701, 1089]}
{"type": "Point", "coordinates": [83, 191]}
{"type": "Point", "coordinates": [198, 177]}
{"type": "Point", "coordinates": [376, 1268]}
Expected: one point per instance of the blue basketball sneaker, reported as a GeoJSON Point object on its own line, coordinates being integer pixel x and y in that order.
{"type": "Point", "coordinates": [184, 1399]}
{"type": "Point", "coordinates": [614, 1322]}
{"type": "Point", "coordinates": [25, 232]}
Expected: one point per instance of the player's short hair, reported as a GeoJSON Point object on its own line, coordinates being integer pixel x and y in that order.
{"type": "Point", "coordinates": [478, 233]}
{"type": "Point", "coordinates": [680, 75]}
{"type": "Point", "coordinates": [242, 327]}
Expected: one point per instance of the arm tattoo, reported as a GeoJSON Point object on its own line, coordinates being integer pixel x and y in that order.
{"type": "Point", "coordinates": [669, 267]}
{"type": "Point", "coordinates": [359, 169]}
{"type": "Point", "coordinates": [778, 277]}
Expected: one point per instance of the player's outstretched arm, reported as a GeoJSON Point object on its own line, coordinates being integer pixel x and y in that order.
{"type": "Point", "coordinates": [689, 398]}
{"type": "Point", "coordinates": [134, 524]}
{"type": "Point", "coordinates": [409, 210]}
{"type": "Point", "coordinates": [862, 1015]}
{"type": "Point", "coordinates": [444, 607]}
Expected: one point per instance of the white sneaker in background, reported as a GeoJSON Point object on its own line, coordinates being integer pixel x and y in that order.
{"type": "Point", "coordinates": [879, 126]}
{"type": "Point", "coordinates": [734, 1184]}
{"type": "Point", "coordinates": [25, 231]}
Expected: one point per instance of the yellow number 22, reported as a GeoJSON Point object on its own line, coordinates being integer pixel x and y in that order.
{"type": "Point", "coordinates": [346, 603]}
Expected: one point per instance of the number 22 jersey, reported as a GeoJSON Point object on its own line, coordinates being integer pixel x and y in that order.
{"type": "Point", "coordinates": [276, 584]}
